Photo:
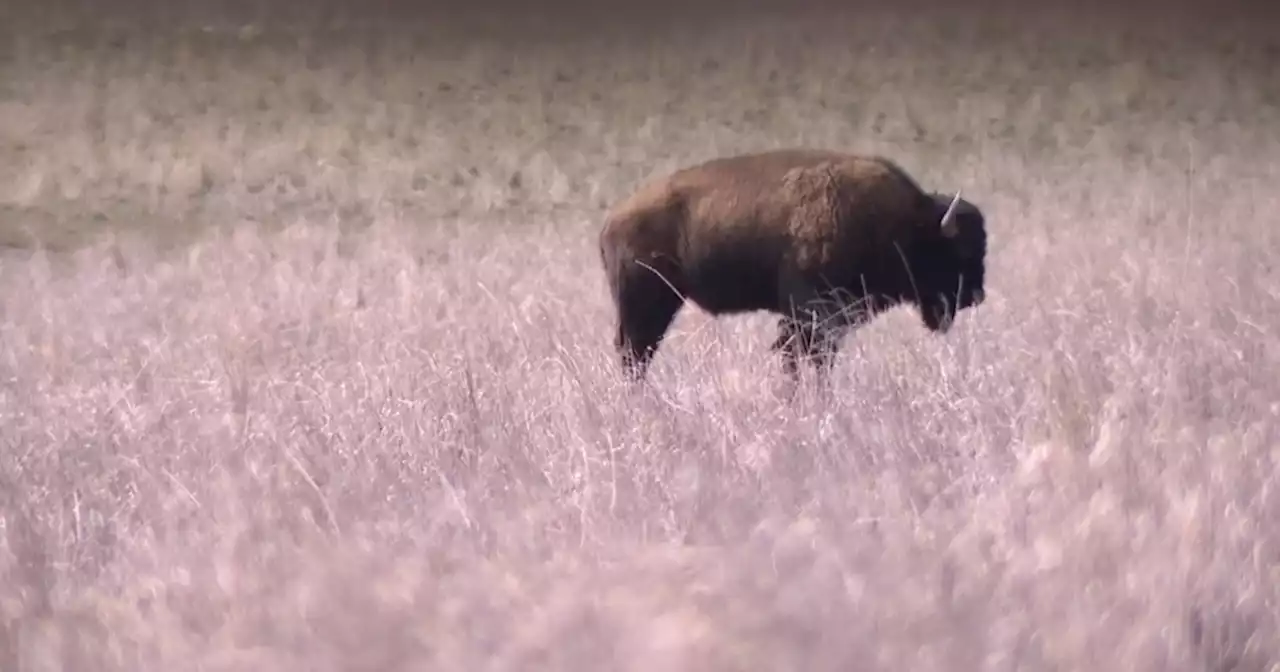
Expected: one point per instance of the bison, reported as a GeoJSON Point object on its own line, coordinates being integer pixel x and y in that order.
{"type": "Point", "coordinates": [826, 240]}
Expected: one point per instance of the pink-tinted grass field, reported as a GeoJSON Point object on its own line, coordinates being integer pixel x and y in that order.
{"type": "Point", "coordinates": [314, 369]}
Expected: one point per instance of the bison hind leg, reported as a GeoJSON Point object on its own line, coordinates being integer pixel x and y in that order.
{"type": "Point", "coordinates": [647, 304]}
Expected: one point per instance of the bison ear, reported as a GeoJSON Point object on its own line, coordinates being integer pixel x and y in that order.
{"type": "Point", "coordinates": [949, 228]}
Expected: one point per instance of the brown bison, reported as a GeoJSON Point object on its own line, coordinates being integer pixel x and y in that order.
{"type": "Point", "coordinates": [824, 239]}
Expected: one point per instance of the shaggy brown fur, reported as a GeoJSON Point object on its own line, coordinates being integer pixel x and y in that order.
{"type": "Point", "coordinates": [824, 239]}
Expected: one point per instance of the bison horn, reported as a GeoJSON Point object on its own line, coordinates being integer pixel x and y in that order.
{"type": "Point", "coordinates": [949, 218]}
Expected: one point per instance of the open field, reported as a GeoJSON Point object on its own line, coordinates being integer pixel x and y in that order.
{"type": "Point", "coordinates": [305, 353]}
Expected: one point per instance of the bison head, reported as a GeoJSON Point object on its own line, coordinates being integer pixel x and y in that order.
{"type": "Point", "coordinates": [950, 267]}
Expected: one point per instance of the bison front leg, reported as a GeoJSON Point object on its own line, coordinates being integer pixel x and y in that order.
{"type": "Point", "coordinates": [787, 345]}
{"type": "Point", "coordinates": [814, 320]}
{"type": "Point", "coordinates": [810, 339]}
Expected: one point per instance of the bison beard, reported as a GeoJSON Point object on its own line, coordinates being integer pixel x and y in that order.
{"type": "Point", "coordinates": [825, 240]}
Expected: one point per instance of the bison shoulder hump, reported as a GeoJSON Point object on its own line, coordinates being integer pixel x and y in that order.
{"type": "Point", "coordinates": [825, 200]}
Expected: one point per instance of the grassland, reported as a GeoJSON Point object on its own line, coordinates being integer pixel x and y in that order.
{"type": "Point", "coordinates": [305, 354]}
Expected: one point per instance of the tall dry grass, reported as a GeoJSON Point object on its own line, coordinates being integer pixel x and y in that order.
{"type": "Point", "coordinates": [406, 445]}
